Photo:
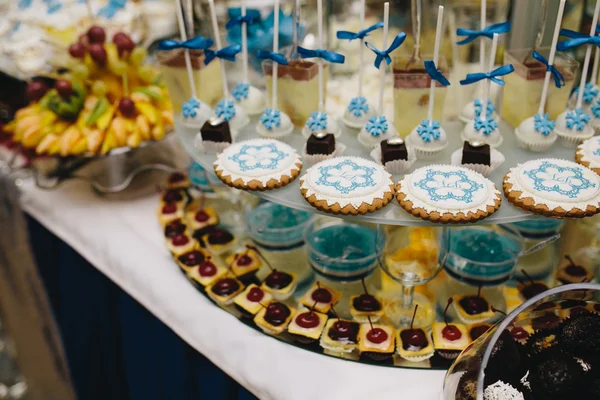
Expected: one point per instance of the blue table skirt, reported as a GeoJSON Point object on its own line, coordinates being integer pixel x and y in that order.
{"type": "Point", "coordinates": [115, 348]}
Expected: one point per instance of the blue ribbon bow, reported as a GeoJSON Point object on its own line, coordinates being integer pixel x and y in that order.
{"type": "Point", "coordinates": [577, 39]}
{"type": "Point", "coordinates": [347, 35]}
{"type": "Point", "coordinates": [227, 53]}
{"type": "Point", "coordinates": [320, 53]}
{"type": "Point", "coordinates": [559, 80]}
{"type": "Point", "coordinates": [248, 19]}
{"type": "Point", "coordinates": [504, 70]}
{"type": "Point", "coordinates": [488, 32]}
{"type": "Point", "coordinates": [195, 43]}
{"type": "Point", "coordinates": [385, 54]}
{"type": "Point", "coordinates": [435, 73]}
{"type": "Point", "coordinates": [270, 55]}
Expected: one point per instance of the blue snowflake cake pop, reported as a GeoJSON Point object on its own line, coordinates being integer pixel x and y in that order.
{"type": "Point", "coordinates": [321, 121]}
{"type": "Point", "coordinates": [233, 114]}
{"type": "Point", "coordinates": [376, 129]}
{"type": "Point", "coordinates": [573, 127]}
{"type": "Point", "coordinates": [428, 138]}
{"type": "Point", "coordinates": [358, 112]}
{"type": "Point", "coordinates": [536, 133]}
{"type": "Point", "coordinates": [484, 130]}
{"type": "Point", "coordinates": [195, 113]}
{"type": "Point", "coordinates": [274, 123]}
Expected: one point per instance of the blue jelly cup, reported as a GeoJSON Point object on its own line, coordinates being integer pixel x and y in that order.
{"type": "Point", "coordinates": [480, 255]}
{"type": "Point", "coordinates": [340, 251]}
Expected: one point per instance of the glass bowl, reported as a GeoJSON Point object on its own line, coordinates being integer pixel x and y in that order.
{"type": "Point", "coordinates": [469, 369]}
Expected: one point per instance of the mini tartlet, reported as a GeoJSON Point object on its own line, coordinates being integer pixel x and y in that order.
{"type": "Point", "coordinates": [573, 272]}
{"type": "Point", "coordinates": [176, 196]}
{"type": "Point", "coordinates": [207, 272]}
{"type": "Point", "coordinates": [224, 289]}
{"type": "Point", "coordinates": [274, 318]}
{"type": "Point", "coordinates": [414, 344]}
{"type": "Point", "coordinates": [376, 341]}
{"type": "Point", "coordinates": [449, 340]}
{"type": "Point", "coordinates": [280, 284]}
{"type": "Point", "coordinates": [365, 306]}
{"type": "Point", "coordinates": [307, 326]}
{"type": "Point", "coordinates": [168, 212]}
{"type": "Point", "coordinates": [472, 309]}
{"type": "Point", "coordinates": [244, 264]}
{"type": "Point", "coordinates": [477, 330]}
{"type": "Point", "coordinates": [250, 301]}
{"type": "Point", "coordinates": [180, 244]}
{"type": "Point", "coordinates": [340, 336]}
{"type": "Point", "coordinates": [187, 261]}
{"type": "Point", "coordinates": [201, 218]}
{"type": "Point", "coordinates": [324, 297]}
{"type": "Point", "coordinates": [177, 180]}
{"type": "Point", "coordinates": [218, 241]}
{"type": "Point", "coordinates": [174, 228]}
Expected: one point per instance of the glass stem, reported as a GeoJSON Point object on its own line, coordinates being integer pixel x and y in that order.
{"type": "Point", "coordinates": [408, 295]}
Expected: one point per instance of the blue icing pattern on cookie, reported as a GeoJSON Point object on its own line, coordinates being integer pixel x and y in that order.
{"type": "Point", "coordinates": [252, 157]}
{"type": "Point", "coordinates": [552, 178]}
{"type": "Point", "coordinates": [346, 176]}
{"type": "Point", "coordinates": [451, 185]}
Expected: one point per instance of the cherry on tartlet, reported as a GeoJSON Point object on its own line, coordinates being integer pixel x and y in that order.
{"type": "Point", "coordinates": [414, 344]}
{"type": "Point", "coordinates": [571, 272]}
{"type": "Point", "coordinates": [224, 289]}
{"type": "Point", "coordinates": [274, 317]}
{"type": "Point", "coordinates": [249, 301]}
{"type": "Point", "coordinates": [376, 341]}
{"type": "Point", "coordinates": [306, 327]}
{"type": "Point", "coordinates": [365, 306]}
{"type": "Point", "coordinates": [207, 272]}
{"type": "Point", "coordinates": [449, 339]}
{"type": "Point", "coordinates": [325, 297]}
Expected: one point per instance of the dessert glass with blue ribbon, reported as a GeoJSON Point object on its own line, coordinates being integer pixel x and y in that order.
{"type": "Point", "coordinates": [341, 254]}
{"type": "Point", "coordinates": [278, 232]}
{"type": "Point", "coordinates": [207, 78]}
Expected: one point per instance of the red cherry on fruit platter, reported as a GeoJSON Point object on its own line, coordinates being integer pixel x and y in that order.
{"type": "Point", "coordinates": [77, 50]}
{"type": "Point", "coordinates": [64, 88]}
{"type": "Point", "coordinates": [127, 107]}
{"type": "Point", "coordinates": [36, 90]}
{"type": "Point", "coordinates": [450, 332]}
{"type": "Point", "coordinates": [98, 53]}
{"type": "Point", "coordinates": [96, 34]}
{"type": "Point", "coordinates": [124, 44]}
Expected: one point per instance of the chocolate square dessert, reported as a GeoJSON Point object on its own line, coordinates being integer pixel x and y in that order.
{"type": "Point", "coordinates": [476, 153]}
{"type": "Point", "coordinates": [216, 130]}
{"type": "Point", "coordinates": [320, 143]}
{"type": "Point", "coordinates": [393, 149]}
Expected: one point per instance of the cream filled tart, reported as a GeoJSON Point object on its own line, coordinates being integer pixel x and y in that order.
{"type": "Point", "coordinates": [180, 244]}
{"type": "Point", "coordinates": [414, 344]}
{"type": "Point", "coordinates": [307, 326]}
{"type": "Point", "coordinates": [321, 297]}
{"type": "Point", "coordinates": [207, 272]}
{"type": "Point", "coordinates": [250, 301]}
{"type": "Point", "coordinates": [224, 289]}
{"type": "Point", "coordinates": [376, 341]}
{"type": "Point", "coordinates": [340, 336]}
{"type": "Point", "coordinates": [201, 218]}
{"type": "Point", "coordinates": [280, 284]}
{"type": "Point", "coordinates": [274, 318]}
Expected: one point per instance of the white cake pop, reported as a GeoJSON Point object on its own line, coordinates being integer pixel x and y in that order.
{"type": "Point", "coordinates": [536, 133]}
{"type": "Point", "coordinates": [473, 109]}
{"type": "Point", "coordinates": [232, 113]}
{"type": "Point", "coordinates": [250, 98]}
{"type": "Point", "coordinates": [321, 121]}
{"type": "Point", "coordinates": [590, 94]}
{"type": "Point", "coordinates": [481, 130]}
{"type": "Point", "coordinates": [375, 130]}
{"type": "Point", "coordinates": [195, 113]}
{"type": "Point", "coordinates": [428, 139]}
{"type": "Point", "coordinates": [274, 124]}
{"type": "Point", "coordinates": [358, 112]}
{"type": "Point", "coordinates": [573, 128]}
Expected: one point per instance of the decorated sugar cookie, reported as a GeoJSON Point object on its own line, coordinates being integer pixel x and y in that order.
{"type": "Point", "coordinates": [448, 194]}
{"type": "Point", "coordinates": [347, 185]}
{"type": "Point", "coordinates": [553, 187]}
{"type": "Point", "coordinates": [588, 154]}
{"type": "Point", "coordinates": [258, 164]}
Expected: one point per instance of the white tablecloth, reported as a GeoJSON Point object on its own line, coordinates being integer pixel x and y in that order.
{"type": "Point", "coordinates": [124, 241]}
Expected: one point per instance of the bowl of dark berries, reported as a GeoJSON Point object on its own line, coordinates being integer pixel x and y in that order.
{"type": "Point", "coordinates": [548, 348]}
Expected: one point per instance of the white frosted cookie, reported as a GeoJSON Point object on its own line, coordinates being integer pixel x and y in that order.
{"type": "Point", "coordinates": [258, 164]}
{"type": "Point", "coordinates": [588, 154]}
{"type": "Point", "coordinates": [553, 187]}
{"type": "Point", "coordinates": [347, 185]}
{"type": "Point", "coordinates": [448, 194]}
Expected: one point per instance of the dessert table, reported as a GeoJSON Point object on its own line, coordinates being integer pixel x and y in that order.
{"type": "Point", "coordinates": [123, 240]}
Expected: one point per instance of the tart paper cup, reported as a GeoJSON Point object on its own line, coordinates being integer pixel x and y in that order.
{"type": "Point", "coordinates": [571, 141]}
{"type": "Point", "coordinates": [208, 146]}
{"type": "Point", "coordinates": [315, 158]}
{"type": "Point", "coordinates": [537, 147]}
{"type": "Point", "coordinates": [396, 166]}
{"type": "Point", "coordinates": [420, 358]}
{"type": "Point", "coordinates": [496, 159]}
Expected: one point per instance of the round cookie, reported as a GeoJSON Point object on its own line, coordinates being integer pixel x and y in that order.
{"type": "Point", "coordinates": [554, 188]}
{"type": "Point", "coordinates": [448, 194]}
{"type": "Point", "coordinates": [258, 164]}
{"type": "Point", "coordinates": [347, 185]}
{"type": "Point", "coordinates": [588, 154]}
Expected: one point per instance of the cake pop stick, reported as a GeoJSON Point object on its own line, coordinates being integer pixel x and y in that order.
{"type": "Point", "coordinates": [588, 53]}
{"type": "Point", "coordinates": [436, 52]}
{"type": "Point", "coordinates": [217, 35]}
{"type": "Point", "coordinates": [361, 53]}
{"type": "Point", "coordinates": [594, 77]}
{"type": "Point", "coordinates": [482, 24]}
{"type": "Point", "coordinates": [486, 82]}
{"type": "Point", "coordinates": [320, 61]}
{"type": "Point", "coordinates": [245, 41]}
{"type": "Point", "coordinates": [189, 13]}
{"type": "Point", "coordinates": [383, 66]}
{"type": "Point", "coordinates": [555, 35]}
{"type": "Point", "coordinates": [295, 30]}
{"type": "Point", "coordinates": [275, 49]}
{"type": "Point", "coordinates": [186, 54]}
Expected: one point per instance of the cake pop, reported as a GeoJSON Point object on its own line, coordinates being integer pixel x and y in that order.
{"type": "Point", "coordinates": [429, 138]}
{"type": "Point", "coordinates": [537, 133]}
{"type": "Point", "coordinates": [250, 98]}
{"type": "Point", "coordinates": [273, 122]}
{"type": "Point", "coordinates": [484, 128]}
{"type": "Point", "coordinates": [226, 109]}
{"type": "Point", "coordinates": [377, 127]}
{"type": "Point", "coordinates": [359, 110]}
{"type": "Point", "coordinates": [572, 127]}
{"type": "Point", "coordinates": [320, 120]}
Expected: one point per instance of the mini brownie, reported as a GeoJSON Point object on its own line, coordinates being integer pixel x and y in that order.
{"type": "Point", "coordinates": [476, 153]}
{"type": "Point", "coordinates": [320, 143]}
{"type": "Point", "coordinates": [216, 130]}
{"type": "Point", "coordinates": [393, 149]}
